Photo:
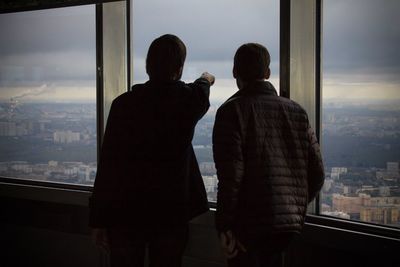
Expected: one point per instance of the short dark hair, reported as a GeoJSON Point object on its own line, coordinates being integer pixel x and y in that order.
{"type": "Point", "coordinates": [165, 57]}
{"type": "Point", "coordinates": [251, 62]}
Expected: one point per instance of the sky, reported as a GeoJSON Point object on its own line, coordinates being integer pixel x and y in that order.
{"type": "Point", "coordinates": [361, 57]}
{"type": "Point", "coordinates": [51, 53]}
{"type": "Point", "coordinates": [48, 54]}
{"type": "Point", "coordinates": [210, 37]}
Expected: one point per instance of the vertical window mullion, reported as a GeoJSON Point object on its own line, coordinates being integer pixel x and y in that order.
{"type": "Point", "coordinates": [284, 48]}
{"type": "Point", "coordinates": [318, 81]}
{"type": "Point", "coordinates": [99, 78]}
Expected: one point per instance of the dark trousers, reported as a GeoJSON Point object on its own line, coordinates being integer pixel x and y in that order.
{"type": "Point", "coordinates": [266, 251]}
{"type": "Point", "coordinates": [165, 246]}
{"type": "Point", "coordinates": [258, 258]}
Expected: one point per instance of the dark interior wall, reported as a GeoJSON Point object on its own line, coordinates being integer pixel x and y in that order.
{"type": "Point", "coordinates": [37, 233]}
{"type": "Point", "coordinates": [329, 247]}
{"type": "Point", "coordinates": [31, 246]}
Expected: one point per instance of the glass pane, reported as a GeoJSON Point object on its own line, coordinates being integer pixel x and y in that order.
{"type": "Point", "coordinates": [361, 111]}
{"type": "Point", "coordinates": [212, 31]}
{"type": "Point", "coordinates": [47, 95]}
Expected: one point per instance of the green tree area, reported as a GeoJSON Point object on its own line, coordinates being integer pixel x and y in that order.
{"type": "Point", "coordinates": [346, 151]}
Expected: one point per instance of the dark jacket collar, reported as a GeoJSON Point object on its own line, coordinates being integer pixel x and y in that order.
{"type": "Point", "coordinates": [163, 83]}
{"type": "Point", "coordinates": [256, 88]}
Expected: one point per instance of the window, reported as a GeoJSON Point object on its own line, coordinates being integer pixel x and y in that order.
{"type": "Point", "coordinates": [212, 31]}
{"type": "Point", "coordinates": [48, 95]}
{"type": "Point", "coordinates": [361, 111]}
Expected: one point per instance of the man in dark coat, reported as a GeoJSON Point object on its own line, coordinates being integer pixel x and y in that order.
{"type": "Point", "coordinates": [268, 165]}
{"type": "Point", "coordinates": [148, 184]}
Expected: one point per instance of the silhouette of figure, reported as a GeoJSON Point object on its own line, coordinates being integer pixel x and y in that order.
{"type": "Point", "coordinates": [268, 165]}
{"type": "Point", "coordinates": [148, 184]}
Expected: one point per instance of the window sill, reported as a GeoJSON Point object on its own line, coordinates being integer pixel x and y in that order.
{"type": "Point", "coordinates": [78, 195]}
{"type": "Point", "coordinates": [45, 191]}
{"type": "Point", "coordinates": [354, 226]}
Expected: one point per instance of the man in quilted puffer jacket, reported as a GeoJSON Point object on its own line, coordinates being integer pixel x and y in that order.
{"type": "Point", "coordinates": [268, 163]}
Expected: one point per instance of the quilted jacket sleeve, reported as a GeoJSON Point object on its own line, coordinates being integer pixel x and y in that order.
{"type": "Point", "coordinates": [315, 166]}
{"type": "Point", "coordinates": [228, 157]}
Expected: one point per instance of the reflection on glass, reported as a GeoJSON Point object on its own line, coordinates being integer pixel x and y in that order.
{"type": "Point", "coordinates": [212, 31]}
{"type": "Point", "coordinates": [361, 111]}
{"type": "Point", "coordinates": [114, 53]}
{"type": "Point", "coordinates": [47, 95]}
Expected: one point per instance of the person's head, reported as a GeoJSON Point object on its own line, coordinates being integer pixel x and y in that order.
{"type": "Point", "coordinates": [165, 58]}
{"type": "Point", "coordinates": [251, 63]}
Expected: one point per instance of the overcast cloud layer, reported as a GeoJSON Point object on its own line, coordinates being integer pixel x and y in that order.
{"type": "Point", "coordinates": [362, 36]}
{"type": "Point", "coordinates": [54, 47]}
{"type": "Point", "coordinates": [48, 46]}
{"type": "Point", "coordinates": [212, 31]}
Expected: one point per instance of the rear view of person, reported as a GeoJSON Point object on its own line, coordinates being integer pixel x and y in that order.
{"type": "Point", "coordinates": [148, 184]}
{"type": "Point", "coordinates": [268, 165]}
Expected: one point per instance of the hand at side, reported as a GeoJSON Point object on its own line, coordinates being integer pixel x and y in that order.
{"type": "Point", "coordinates": [230, 245]}
{"type": "Point", "coordinates": [100, 238]}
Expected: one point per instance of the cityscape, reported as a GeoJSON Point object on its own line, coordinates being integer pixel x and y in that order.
{"type": "Point", "coordinates": [361, 151]}
{"type": "Point", "coordinates": [56, 142]}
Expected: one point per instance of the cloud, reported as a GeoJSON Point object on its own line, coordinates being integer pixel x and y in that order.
{"type": "Point", "coordinates": [17, 69]}
{"type": "Point", "coordinates": [53, 46]}
{"type": "Point", "coordinates": [193, 69]}
{"type": "Point", "coordinates": [33, 92]}
{"type": "Point", "coordinates": [49, 30]}
{"type": "Point", "coordinates": [212, 31]}
{"type": "Point", "coordinates": [47, 45]}
{"type": "Point", "coordinates": [361, 35]}
{"type": "Point", "coordinates": [336, 89]}
{"type": "Point", "coordinates": [60, 91]}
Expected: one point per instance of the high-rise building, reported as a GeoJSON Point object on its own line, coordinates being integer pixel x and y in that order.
{"type": "Point", "coordinates": [382, 214]}
{"type": "Point", "coordinates": [370, 209]}
{"type": "Point", "coordinates": [392, 167]}
{"type": "Point", "coordinates": [66, 137]}
{"type": "Point", "coordinates": [8, 128]}
{"type": "Point", "coordinates": [337, 171]}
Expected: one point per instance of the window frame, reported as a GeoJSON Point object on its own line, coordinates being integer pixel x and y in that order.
{"type": "Point", "coordinates": [21, 6]}
{"type": "Point", "coordinates": [315, 217]}
{"type": "Point", "coordinates": [79, 194]}
{"type": "Point", "coordinates": [385, 231]}
{"type": "Point", "coordinates": [100, 112]}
